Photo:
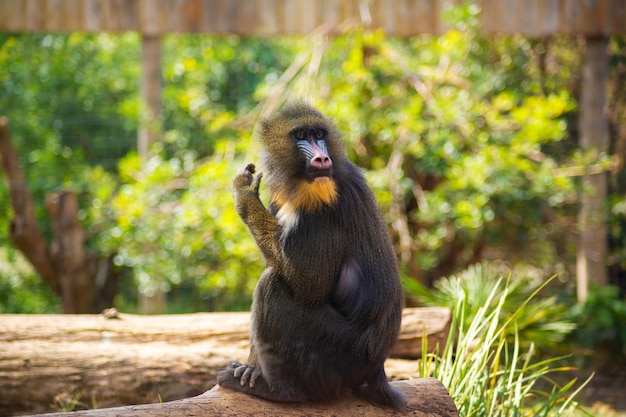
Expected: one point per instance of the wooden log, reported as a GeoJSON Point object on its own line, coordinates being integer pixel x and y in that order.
{"type": "Point", "coordinates": [426, 397]}
{"type": "Point", "coordinates": [434, 322]}
{"type": "Point", "coordinates": [48, 361]}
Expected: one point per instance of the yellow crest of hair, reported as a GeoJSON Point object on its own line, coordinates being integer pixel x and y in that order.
{"type": "Point", "coordinates": [309, 196]}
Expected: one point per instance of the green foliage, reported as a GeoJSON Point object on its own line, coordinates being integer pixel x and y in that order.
{"type": "Point", "coordinates": [454, 132]}
{"type": "Point", "coordinates": [617, 231]}
{"type": "Point", "coordinates": [69, 98]}
{"type": "Point", "coordinates": [616, 92]}
{"type": "Point", "coordinates": [20, 288]}
{"type": "Point", "coordinates": [601, 332]}
{"type": "Point", "coordinates": [461, 136]}
{"type": "Point", "coordinates": [73, 105]}
{"type": "Point", "coordinates": [211, 80]}
{"type": "Point", "coordinates": [486, 368]}
{"type": "Point", "coordinates": [172, 219]}
{"type": "Point", "coordinates": [543, 321]}
{"type": "Point", "coordinates": [175, 223]}
{"type": "Point", "coordinates": [66, 98]}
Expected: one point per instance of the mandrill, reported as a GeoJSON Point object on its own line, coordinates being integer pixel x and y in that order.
{"type": "Point", "coordinates": [327, 308]}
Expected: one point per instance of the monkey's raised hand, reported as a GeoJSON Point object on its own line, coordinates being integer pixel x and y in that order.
{"type": "Point", "coordinates": [253, 213]}
{"type": "Point", "coordinates": [246, 188]}
{"type": "Point", "coordinates": [245, 179]}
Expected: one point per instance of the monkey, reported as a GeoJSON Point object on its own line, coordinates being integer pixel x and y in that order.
{"type": "Point", "coordinates": [327, 309]}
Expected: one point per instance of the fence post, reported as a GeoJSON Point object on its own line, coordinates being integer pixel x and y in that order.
{"type": "Point", "coordinates": [591, 265]}
{"type": "Point", "coordinates": [151, 86]}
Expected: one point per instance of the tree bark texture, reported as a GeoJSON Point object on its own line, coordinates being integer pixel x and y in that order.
{"type": "Point", "coordinates": [591, 262]}
{"type": "Point", "coordinates": [84, 282]}
{"type": "Point", "coordinates": [48, 361]}
{"type": "Point", "coordinates": [426, 397]}
{"type": "Point", "coordinates": [24, 228]}
{"type": "Point", "coordinates": [151, 86]}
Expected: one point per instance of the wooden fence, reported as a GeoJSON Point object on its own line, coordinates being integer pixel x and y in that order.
{"type": "Point", "coordinates": [274, 17]}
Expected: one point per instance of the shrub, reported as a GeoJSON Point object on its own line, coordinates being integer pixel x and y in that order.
{"type": "Point", "coordinates": [485, 366]}
{"type": "Point", "coordinates": [542, 322]}
{"type": "Point", "coordinates": [600, 337]}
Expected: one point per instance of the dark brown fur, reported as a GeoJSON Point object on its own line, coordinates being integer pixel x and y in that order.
{"type": "Point", "coordinates": [327, 309]}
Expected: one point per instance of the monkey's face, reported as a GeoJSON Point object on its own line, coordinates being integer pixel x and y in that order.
{"type": "Point", "coordinates": [311, 144]}
{"type": "Point", "coordinates": [303, 155]}
{"type": "Point", "coordinates": [300, 144]}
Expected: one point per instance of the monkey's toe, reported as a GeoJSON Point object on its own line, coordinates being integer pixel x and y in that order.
{"type": "Point", "coordinates": [247, 374]}
{"type": "Point", "coordinates": [237, 373]}
{"type": "Point", "coordinates": [257, 386]}
{"type": "Point", "coordinates": [250, 375]}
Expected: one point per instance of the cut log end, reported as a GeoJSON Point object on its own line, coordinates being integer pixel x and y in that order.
{"type": "Point", "coordinates": [425, 397]}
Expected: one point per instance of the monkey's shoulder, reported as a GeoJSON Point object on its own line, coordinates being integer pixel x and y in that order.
{"type": "Point", "coordinates": [355, 193]}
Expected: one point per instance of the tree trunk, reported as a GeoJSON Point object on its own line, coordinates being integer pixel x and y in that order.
{"type": "Point", "coordinates": [84, 282]}
{"type": "Point", "coordinates": [49, 361]}
{"type": "Point", "coordinates": [151, 86]}
{"type": "Point", "coordinates": [68, 253]}
{"type": "Point", "coordinates": [426, 397]}
{"type": "Point", "coordinates": [591, 263]}
{"type": "Point", "coordinates": [150, 127]}
{"type": "Point", "coordinates": [24, 227]}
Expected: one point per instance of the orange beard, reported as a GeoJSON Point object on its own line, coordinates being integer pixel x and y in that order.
{"type": "Point", "coordinates": [308, 196]}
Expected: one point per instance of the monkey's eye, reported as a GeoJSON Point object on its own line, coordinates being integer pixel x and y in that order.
{"type": "Point", "coordinates": [299, 134]}
{"type": "Point", "coordinates": [320, 134]}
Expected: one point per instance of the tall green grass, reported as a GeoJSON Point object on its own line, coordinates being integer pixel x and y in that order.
{"type": "Point", "coordinates": [545, 319]}
{"type": "Point", "coordinates": [491, 374]}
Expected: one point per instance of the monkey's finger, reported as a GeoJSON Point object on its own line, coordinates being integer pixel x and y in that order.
{"type": "Point", "coordinates": [250, 168]}
{"type": "Point", "coordinates": [257, 181]}
{"type": "Point", "coordinates": [239, 370]}
{"type": "Point", "coordinates": [246, 170]}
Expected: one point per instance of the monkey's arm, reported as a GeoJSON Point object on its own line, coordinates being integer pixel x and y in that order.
{"type": "Point", "coordinates": [261, 223]}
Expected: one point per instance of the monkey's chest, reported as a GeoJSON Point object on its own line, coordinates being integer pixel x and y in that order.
{"type": "Point", "coordinates": [311, 233]}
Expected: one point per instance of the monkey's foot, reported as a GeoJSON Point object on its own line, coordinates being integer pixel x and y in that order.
{"type": "Point", "coordinates": [247, 378]}
{"type": "Point", "coordinates": [246, 374]}
{"type": "Point", "coordinates": [382, 394]}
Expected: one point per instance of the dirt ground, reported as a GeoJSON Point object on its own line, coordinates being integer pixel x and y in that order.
{"type": "Point", "coordinates": [605, 395]}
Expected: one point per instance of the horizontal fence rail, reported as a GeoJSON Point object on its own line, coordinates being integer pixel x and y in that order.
{"type": "Point", "coordinates": [277, 17]}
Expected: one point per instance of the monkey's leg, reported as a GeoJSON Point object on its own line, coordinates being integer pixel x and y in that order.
{"type": "Point", "coordinates": [378, 391]}
{"type": "Point", "coordinates": [269, 374]}
{"type": "Point", "coordinates": [229, 378]}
